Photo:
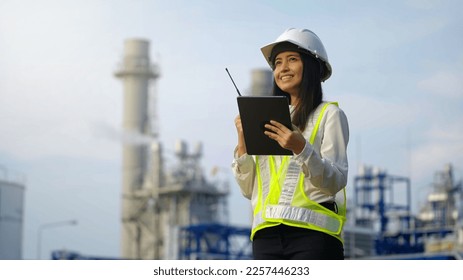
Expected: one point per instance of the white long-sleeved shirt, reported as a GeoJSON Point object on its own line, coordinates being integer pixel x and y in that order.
{"type": "Point", "coordinates": [324, 163]}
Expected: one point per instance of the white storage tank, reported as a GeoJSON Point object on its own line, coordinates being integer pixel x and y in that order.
{"type": "Point", "coordinates": [11, 219]}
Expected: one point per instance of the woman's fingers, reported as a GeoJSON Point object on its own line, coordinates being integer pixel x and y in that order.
{"type": "Point", "coordinates": [277, 128]}
{"type": "Point", "coordinates": [286, 138]}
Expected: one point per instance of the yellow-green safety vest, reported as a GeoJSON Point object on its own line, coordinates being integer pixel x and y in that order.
{"type": "Point", "coordinates": [284, 201]}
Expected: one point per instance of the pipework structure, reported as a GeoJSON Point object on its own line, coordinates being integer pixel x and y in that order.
{"type": "Point", "coordinates": [382, 203]}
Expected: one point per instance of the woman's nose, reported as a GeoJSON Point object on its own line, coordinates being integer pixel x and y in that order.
{"type": "Point", "coordinates": [284, 66]}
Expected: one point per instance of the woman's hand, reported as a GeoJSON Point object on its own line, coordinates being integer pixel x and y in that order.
{"type": "Point", "coordinates": [241, 148]}
{"type": "Point", "coordinates": [286, 138]}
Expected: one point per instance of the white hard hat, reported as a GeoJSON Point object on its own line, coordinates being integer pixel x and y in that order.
{"type": "Point", "coordinates": [304, 39]}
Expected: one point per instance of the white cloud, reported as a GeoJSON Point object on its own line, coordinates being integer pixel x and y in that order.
{"type": "Point", "coordinates": [443, 145]}
{"type": "Point", "coordinates": [445, 84]}
{"type": "Point", "coordinates": [366, 112]}
{"type": "Point", "coordinates": [424, 4]}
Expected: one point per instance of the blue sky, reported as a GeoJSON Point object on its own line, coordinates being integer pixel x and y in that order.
{"type": "Point", "coordinates": [397, 73]}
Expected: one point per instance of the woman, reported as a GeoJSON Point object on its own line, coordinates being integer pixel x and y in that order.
{"type": "Point", "coordinates": [294, 198]}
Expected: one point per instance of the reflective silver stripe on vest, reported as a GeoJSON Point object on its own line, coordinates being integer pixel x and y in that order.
{"type": "Point", "coordinates": [291, 182]}
{"type": "Point", "coordinates": [264, 179]}
{"type": "Point", "coordinates": [302, 215]}
{"type": "Point", "coordinates": [258, 219]}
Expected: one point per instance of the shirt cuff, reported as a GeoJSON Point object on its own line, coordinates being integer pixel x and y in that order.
{"type": "Point", "coordinates": [305, 154]}
{"type": "Point", "coordinates": [243, 161]}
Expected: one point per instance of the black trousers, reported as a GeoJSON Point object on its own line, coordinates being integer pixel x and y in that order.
{"type": "Point", "coordinates": [292, 243]}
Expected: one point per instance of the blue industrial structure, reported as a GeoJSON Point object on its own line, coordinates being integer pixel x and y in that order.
{"type": "Point", "coordinates": [215, 241]}
{"type": "Point", "coordinates": [382, 203]}
{"type": "Point", "coordinates": [374, 197]}
{"type": "Point", "coordinates": [72, 255]}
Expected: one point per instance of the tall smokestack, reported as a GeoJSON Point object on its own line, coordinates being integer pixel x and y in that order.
{"type": "Point", "coordinates": [136, 73]}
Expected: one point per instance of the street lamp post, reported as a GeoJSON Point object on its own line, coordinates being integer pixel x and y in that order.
{"type": "Point", "coordinates": [47, 226]}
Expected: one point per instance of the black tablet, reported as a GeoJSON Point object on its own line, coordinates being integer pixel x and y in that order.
{"type": "Point", "coordinates": [255, 112]}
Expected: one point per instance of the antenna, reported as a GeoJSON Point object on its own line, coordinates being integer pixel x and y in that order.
{"type": "Point", "coordinates": [237, 90]}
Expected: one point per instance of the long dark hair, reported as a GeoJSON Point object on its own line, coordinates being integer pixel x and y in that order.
{"type": "Point", "coordinates": [310, 91]}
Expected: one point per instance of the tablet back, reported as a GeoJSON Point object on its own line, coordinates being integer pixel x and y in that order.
{"type": "Point", "coordinates": [255, 112]}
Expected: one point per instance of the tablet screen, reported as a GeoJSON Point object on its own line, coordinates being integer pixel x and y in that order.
{"type": "Point", "coordinates": [255, 112]}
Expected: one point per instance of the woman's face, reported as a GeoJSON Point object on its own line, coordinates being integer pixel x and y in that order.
{"type": "Point", "coordinates": [288, 72]}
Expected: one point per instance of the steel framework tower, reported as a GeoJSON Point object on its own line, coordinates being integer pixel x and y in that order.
{"type": "Point", "coordinates": [435, 229]}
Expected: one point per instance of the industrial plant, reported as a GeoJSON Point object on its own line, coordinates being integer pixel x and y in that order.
{"type": "Point", "coordinates": [381, 224]}
{"type": "Point", "coordinates": [178, 213]}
